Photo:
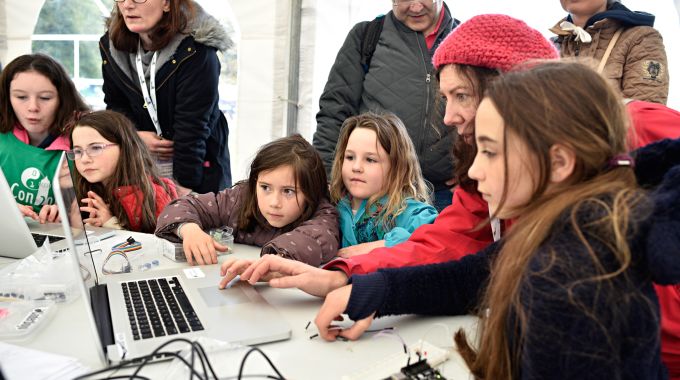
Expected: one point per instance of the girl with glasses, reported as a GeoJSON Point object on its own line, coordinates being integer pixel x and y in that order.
{"type": "Point", "coordinates": [161, 70]}
{"type": "Point", "coordinates": [38, 101]}
{"type": "Point", "coordinates": [116, 179]}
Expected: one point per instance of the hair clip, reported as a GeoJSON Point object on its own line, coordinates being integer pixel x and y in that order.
{"type": "Point", "coordinates": [621, 160]}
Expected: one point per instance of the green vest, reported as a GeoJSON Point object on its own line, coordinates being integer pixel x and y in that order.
{"type": "Point", "coordinates": [29, 171]}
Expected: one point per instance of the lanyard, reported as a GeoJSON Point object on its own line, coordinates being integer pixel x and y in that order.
{"type": "Point", "coordinates": [149, 101]}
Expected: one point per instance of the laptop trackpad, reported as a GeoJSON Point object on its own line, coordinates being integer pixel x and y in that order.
{"type": "Point", "coordinates": [215, 297]}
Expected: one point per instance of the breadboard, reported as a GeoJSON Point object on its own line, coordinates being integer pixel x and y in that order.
{"type": "Point", "coordinates": [392, 364]}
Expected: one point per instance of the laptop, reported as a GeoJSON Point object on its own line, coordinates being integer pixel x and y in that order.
{"type": "Point", "coordinates": [135, 313]}
{"type": "Point", "coordinates": [21, 236]}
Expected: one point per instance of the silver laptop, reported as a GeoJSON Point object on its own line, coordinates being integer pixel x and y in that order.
{"type": "Point", "coordinates": [135, 313]}
{"type": "Point", "coordinates": [21, 236]}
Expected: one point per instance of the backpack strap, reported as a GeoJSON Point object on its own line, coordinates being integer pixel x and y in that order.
{"type": "Point", "coordinates": [370, 41]}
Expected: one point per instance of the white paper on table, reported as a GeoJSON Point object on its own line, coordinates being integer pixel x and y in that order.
{"type": "Point", "coordinates": [28, 364]}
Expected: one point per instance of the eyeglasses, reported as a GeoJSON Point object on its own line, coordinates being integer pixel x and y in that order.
{"type": "Point", "coordinates": [404, 3]}
{"type": "Point", "coordinates": [134, 1]}
{"type": "Point", "coordinates": [93, 150]}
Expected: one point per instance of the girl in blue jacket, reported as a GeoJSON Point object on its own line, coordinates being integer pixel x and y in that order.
{"type": "Point", "coordinates": [378, 184]}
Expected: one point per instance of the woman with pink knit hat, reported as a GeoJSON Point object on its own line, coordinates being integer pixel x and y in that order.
{"type": "Point", "coordinates": [473, 54]}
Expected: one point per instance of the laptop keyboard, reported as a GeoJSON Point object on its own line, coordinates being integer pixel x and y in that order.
{"type": "Point", "coordinates": [40, 239]}
{"type": "Point", "coordinates": [159, 307]}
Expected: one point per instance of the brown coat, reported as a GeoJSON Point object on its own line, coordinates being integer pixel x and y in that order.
{"type": "Point", "coordinates": [314, 242]}
{"type": "Point", "coordinates": [637, 65]}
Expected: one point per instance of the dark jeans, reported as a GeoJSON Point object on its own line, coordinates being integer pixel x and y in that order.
{"type": "Point", "coordinates": [442, 199]}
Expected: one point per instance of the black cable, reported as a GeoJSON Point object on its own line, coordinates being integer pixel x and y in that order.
{"type": "Point", "coordinates": [243, 363]}
{"type": "Point", "coordinates": [195, 347]}
{"type": "Point", "coordinates": [157, 350]}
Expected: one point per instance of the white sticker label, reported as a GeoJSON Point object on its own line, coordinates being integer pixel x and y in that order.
{"type": "Point", "coordinates": [194, 272]}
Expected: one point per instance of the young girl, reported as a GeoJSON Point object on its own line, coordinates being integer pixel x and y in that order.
{"type": "Point", "coordinates": [282, 207]}
{"type": "Point", "coordinates": [38, 102]}
{"type": "Point", "coordinates": [568, 294]}
{"type": "Point", "coordinates": [116, 175]}
{"type": "Point", "coordinates": [377, 183]}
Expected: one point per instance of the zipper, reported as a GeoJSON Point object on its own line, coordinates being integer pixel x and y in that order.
{"type": "Point", "coordinates": [193, 51]}
{"type": "Point", "coordinates": [427, 96]}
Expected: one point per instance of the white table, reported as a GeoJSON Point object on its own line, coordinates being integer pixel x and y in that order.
{"type": "Point", "coordinates": [296, 358]}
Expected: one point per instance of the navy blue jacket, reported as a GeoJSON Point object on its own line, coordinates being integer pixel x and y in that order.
{"type": "Point", "coordinates": [620, 341]}
{"type": "Point", "coordinates": [188, 112]}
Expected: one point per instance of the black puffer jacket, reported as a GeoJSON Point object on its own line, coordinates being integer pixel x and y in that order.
{"type": "Point", "coordinates": [399, 80]}
{"type": "Point", "coordinates": [187, 96]}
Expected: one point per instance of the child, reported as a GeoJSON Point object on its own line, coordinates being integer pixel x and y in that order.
{"type": "Point", "coordinates": [377, 183]}
{"type": "Point", "coordinates": [282, 207]}
{"type": "Point", "coordinates": [116, 175]}
{"type": "Point", "coordinates": [568, 294]}
{"type": "Point", "coordinates": [38, 101]}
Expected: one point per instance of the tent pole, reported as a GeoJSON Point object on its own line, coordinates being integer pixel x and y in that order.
{"type": "Point", "coordinates": [294, 66]}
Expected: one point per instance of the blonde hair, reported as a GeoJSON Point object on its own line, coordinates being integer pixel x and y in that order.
{"type": "Point", "coordinates": [568, 104]}
{"type": "Point", "coordinates": [405, 179]}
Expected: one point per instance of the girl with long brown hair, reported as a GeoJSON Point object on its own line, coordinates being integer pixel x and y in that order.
{"type": "Point", "coordinates": [282, 207]}
{"type": "Point", "coordinates": [116, 179]}
{"type": "Point", "coordinates": [568, 292]}
{"type": "Point", "coordinates": [377, 185]}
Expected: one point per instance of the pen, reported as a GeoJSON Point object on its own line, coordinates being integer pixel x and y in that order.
{"type": "Point", "coordinates": [233, 281]}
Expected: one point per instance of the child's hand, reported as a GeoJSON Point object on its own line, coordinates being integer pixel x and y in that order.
{"type": "Point", "coordinates": [360, 249]}
{"type": "Point", "coordinates": [232, 267]}
{"type": "Point", "coordinates": [99, 211]}
{"type": "Point", "coordinates": [49, 214]}
{"type": "Point", "coordinates": [286, 273]}
{"type": "Point", "coordinates": [28, 212]}
{"type": "Point", "coordinates": [199, 246]}
{"type": "Point", "coordinates": [332, 309]}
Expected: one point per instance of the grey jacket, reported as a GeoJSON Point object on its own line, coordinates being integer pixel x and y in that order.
{"type": "Point", "coordinates": [400, 80]}
{"type": "Point", "coordinates": [314, 241]}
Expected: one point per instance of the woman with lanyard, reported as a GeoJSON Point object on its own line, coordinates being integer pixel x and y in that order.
{"type": "Point", "coordinates": [161, 70]}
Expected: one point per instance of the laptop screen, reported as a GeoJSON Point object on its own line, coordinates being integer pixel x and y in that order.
{"type": "Point", "coordinates": [66, 196]}
{"type": "Point", "coordinates": [74, 230]}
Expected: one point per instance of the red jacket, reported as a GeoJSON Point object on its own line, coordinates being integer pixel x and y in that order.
{"type": "Point", "coordinates": [451, 236]}
{"type": "Point", "coordinates": [652, 122]}
{"type": "Point", "coordinates": [128, 195]}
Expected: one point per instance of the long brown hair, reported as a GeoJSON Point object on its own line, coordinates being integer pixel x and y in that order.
{"type": "Point", "coordinates": [135, 168]}
{"type": "Point", "coordinates": [463, 152]}
{"type": "Point", "coordinates": [308, 172]}
{"type": "Point", "coordinates": [173, 22]}
{"type": "Point", "coordinates": [547, 104]}
{"type": "Point", "coordinates": [405, 179]}
{"type": "Point", "coordinates": [70, 102]}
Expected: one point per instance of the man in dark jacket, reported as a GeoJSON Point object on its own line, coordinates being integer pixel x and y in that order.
{"type": "Point", "coordinates": [398, 79]}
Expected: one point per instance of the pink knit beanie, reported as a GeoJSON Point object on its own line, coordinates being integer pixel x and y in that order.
{"type": "Point", "coordinates": [495, 42]}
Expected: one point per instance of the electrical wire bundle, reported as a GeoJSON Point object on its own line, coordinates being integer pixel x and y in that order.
{"type": "Point", "coordinates": [197, 356]}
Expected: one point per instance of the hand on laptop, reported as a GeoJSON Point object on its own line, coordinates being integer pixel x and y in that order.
{"type": "Point", "coordinates": [199, 246]}
{"type": "Point", "coordinates": [283, 273]}
{"type": "Point", "coordinates": [98, 210]}
{"type": "Point", "coordinates": [28, 211]}
{"type": "Point", "coordinates": [48, 213]}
